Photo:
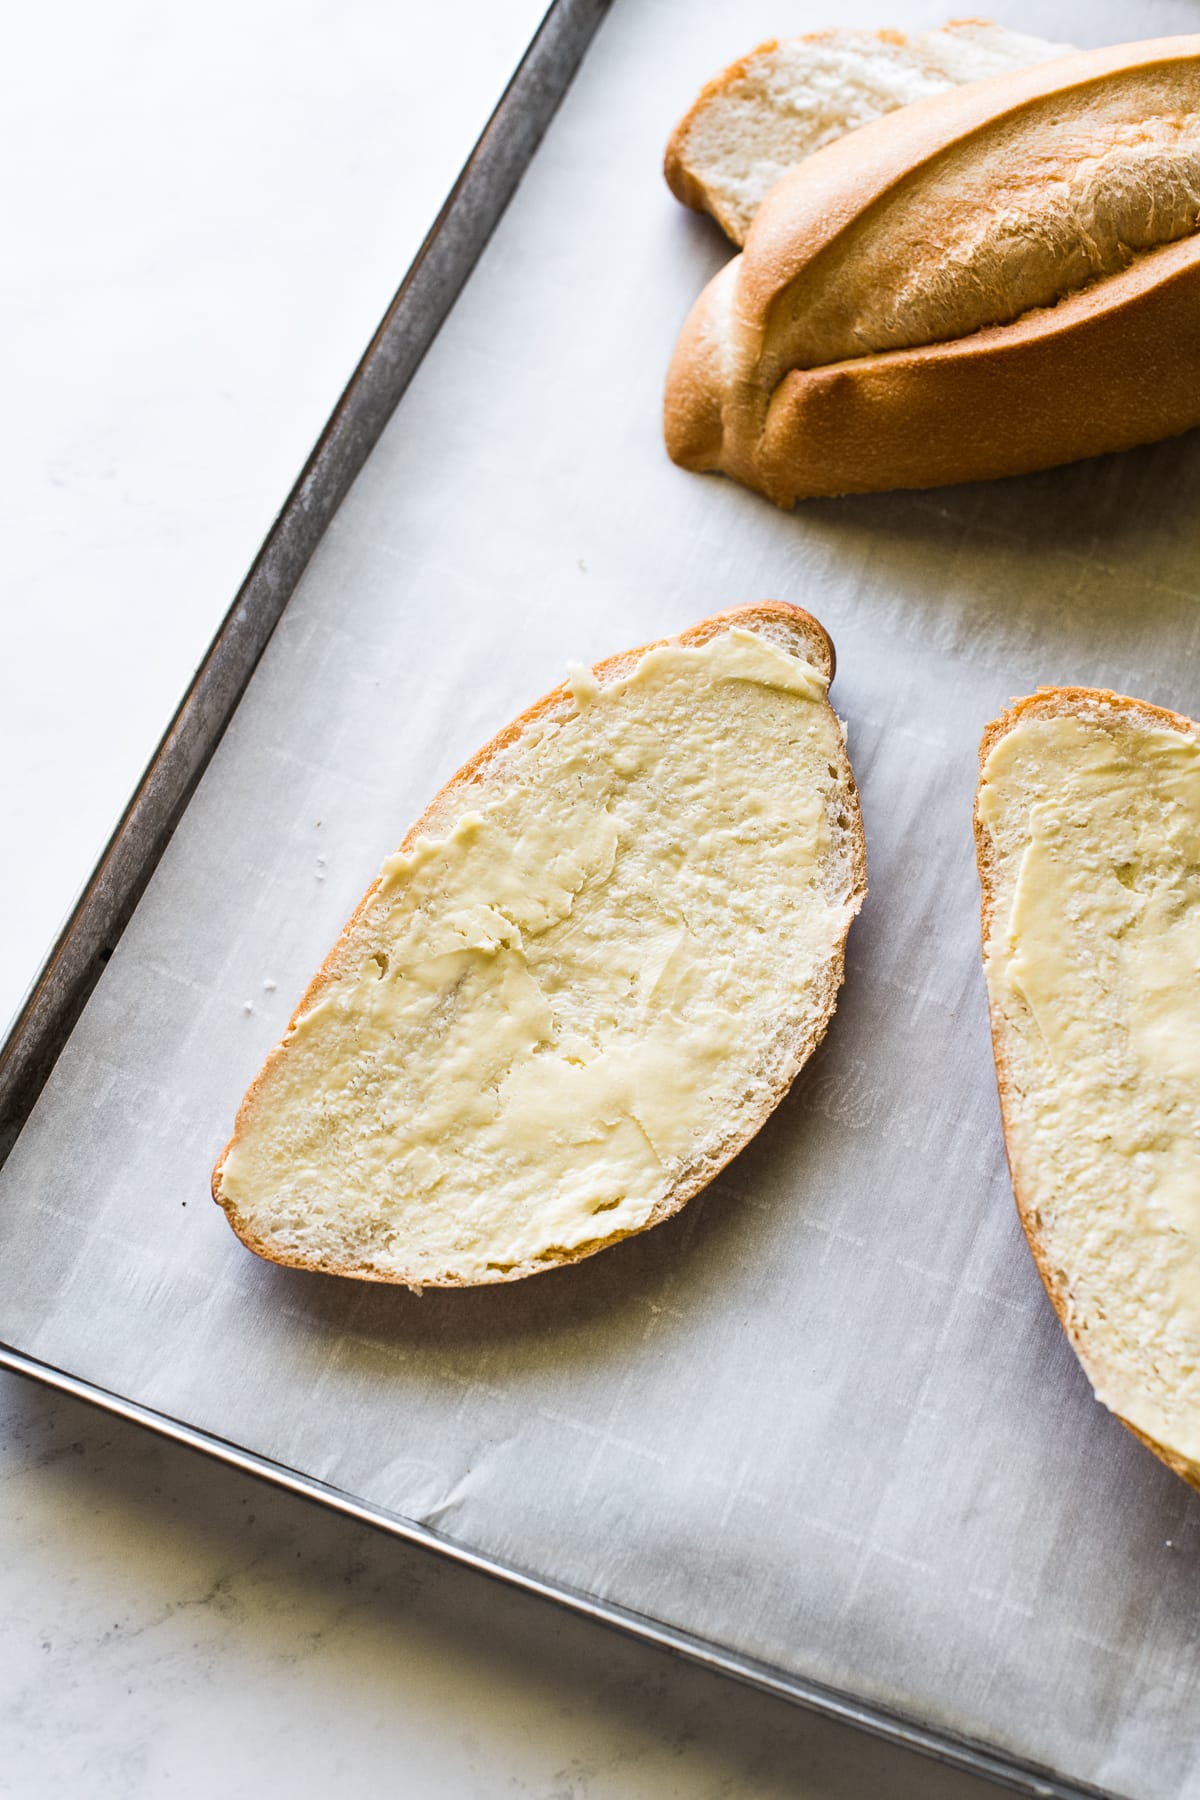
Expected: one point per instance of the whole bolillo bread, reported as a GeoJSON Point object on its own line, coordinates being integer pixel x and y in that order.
{"type": "Point", "coordinates": [594, 967]}
{"type": "Point", "coordinates": [997, 279]}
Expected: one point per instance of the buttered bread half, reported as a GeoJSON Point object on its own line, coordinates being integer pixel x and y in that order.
{"type": "Point", "coordinates": [591, 971]}
{"type": "Point", "coordinates": [1088, 837]}
{"type": "Point", "coordinates": [998, 278]}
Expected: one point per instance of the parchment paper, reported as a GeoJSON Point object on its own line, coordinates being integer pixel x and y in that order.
{"type": "Point", "coordinates": [826, 1417]}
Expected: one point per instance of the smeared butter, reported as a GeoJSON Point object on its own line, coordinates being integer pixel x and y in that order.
{"type": "Point", "coordinates": [547, 1013]}
{"type": "Point", "coordinates": [1093, 961]}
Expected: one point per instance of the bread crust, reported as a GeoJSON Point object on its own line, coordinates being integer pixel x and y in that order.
{"type": "Point", "coordinates": [1113, 364]}
{"type": "Point", "coordinates": [1050, 703]}
{"type": "Point", "coordinates": [775, 619]}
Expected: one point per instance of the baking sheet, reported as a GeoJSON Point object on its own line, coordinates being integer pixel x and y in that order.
{"type": "Point", "coordinates": [826, 1417]}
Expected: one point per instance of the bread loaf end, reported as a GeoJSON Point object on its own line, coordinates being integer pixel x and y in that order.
{"type": "Point", "coordinates": [693, 410]}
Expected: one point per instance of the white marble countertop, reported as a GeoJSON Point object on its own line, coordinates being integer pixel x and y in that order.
{"type": "Point", "coordinates": [208, 211]}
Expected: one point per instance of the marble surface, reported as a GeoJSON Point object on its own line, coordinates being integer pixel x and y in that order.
{"type": "Point", "coordinates": [207, 211]}
{"type": "Point", "coordinates": [168, 1626]}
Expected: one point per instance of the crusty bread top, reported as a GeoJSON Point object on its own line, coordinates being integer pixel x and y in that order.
{"type": "Point", "coordinates": [1088, 835]}
{"type": "Point", "coordinates": [292, 1218]}
{"type": "Point", "coordinates": [767, 111]}
{"type": "Point", "coordinates": [975, 207]}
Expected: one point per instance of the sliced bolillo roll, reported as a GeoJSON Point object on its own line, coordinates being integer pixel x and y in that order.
{"type": "Point", "coordinates": [769, 110]}
{"type": "Point", "coordinates": [1088, 837]}
{"type": "Point", "coordinates": [995, 280]}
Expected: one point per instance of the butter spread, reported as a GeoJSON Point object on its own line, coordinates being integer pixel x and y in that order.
{"type": "Point", "coordinates": [548, 1013]}
{"type": "Point", "coordinates": [1093, 962]}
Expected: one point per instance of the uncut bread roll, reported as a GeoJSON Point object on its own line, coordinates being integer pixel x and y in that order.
{"type": "Point", "coordinates": [1088, 837]}
{"type": "Point", "coordinates": [997, 279]}
{"type": "Point", "coordinates": [592, 970]}
{"type": "Point", "coordinates": [771, 109]}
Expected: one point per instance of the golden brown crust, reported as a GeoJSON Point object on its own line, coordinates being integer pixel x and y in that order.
{"type": "Point", "coordinates": [1048, 703]}
{"type": "Point", "coordinates": [1113, 367]}
{"type": "Point", "coordinates": [850, 181]}
{"type": "Point", "coordinates": [774, 618]}
{"type": "Point", "coordinates": [1110, 366]}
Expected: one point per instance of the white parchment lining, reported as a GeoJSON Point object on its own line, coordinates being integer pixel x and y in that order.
{"type": "Point", "coordinates": [826, 1417]}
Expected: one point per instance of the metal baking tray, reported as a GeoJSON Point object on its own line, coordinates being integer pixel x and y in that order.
{"type": "Point", "coordinates": [822, 1431]}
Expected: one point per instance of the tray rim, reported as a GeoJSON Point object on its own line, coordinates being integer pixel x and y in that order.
{"type": "Point", "coordinates": [58, 992]}
{"type": "Point", "coordinates": [46, 1017]}
{"type": "Point", "coordinates": [968, 1755]}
